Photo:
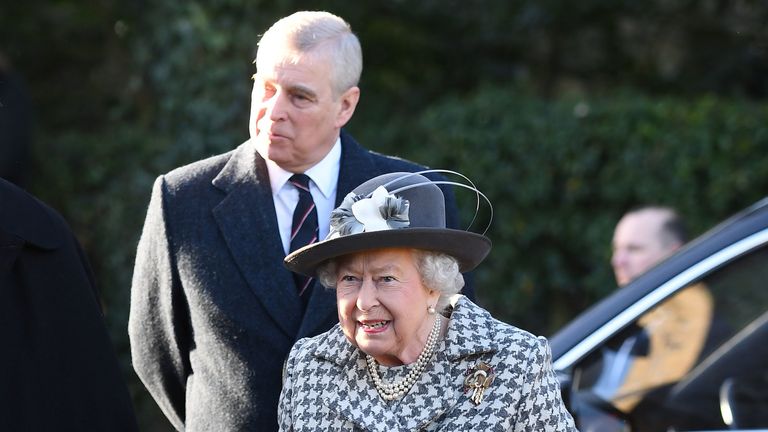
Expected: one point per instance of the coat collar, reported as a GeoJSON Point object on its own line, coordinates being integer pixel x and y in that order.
{"type": "Point", "coordinates": [355, 398]}
{"type": "Point", "coordinates": [26, 218]}
{"type": "Point", "coordinates": [471, 330]}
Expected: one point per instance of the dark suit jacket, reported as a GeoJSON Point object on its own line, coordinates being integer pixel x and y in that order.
{"type": "Point", "coordinates": [58, 370]}
{"type": "Point", "coordinates": [213, 311]}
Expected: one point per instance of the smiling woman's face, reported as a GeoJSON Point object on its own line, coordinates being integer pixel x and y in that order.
{"type": "Point", "coordinates": [382, 304]}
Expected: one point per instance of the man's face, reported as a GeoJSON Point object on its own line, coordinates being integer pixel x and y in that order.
{"type": "Point", "coordinates": [638, 244]}
{"type": "Point", "coordinates": [295, 116]}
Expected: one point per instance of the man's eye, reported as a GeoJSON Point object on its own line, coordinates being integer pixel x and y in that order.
{"type": "Point", "coordinates": [301, 99]}
{"type": "Point", "coordinates": [348, 278]}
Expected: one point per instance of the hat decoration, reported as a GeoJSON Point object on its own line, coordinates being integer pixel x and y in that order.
{"type": "Point", "coordinates": [357, 214]}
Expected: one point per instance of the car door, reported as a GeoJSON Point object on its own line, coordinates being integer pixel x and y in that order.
{"type": "Point", "coordinates": [688, 354]}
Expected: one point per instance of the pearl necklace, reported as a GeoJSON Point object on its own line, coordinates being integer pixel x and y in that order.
{"type": "Point", "coordinates": [397, 390]}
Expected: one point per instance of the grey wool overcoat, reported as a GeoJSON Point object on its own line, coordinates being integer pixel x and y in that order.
{"type": "Point", "coordinates": [327, 386]}
{"type": "Point", "coordinates": [213, 311]}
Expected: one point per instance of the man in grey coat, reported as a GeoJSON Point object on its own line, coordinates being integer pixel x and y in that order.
{"type": "Point", "coordinates": [213, 311]}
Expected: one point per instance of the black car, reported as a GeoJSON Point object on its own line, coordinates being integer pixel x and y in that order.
{"type": "Point", "coordinates": [684, 347]}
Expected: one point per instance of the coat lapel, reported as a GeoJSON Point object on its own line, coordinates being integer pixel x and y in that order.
{"type": "Point", "coordinates": [27, 218]}
{"type": "Point", "coordinates": [246, 218]}
{"type": "Point", "coordinates": [24, 221]}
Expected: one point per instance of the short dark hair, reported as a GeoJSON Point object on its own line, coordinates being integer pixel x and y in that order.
{"type": "Point", "coordinates": [676, 228]}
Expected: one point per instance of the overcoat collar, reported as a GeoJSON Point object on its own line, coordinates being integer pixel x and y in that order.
{"type": "Point", "coordinates": [247, 220]}
{"type": "Point", "coordinates": [23, 216]}
{"type": "Point", "coordinates": [467, 335]}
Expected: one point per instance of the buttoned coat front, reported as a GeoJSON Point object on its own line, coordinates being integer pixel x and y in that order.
{"type": "Point", "coordinates": [327, 386]}
{"type": "Point", "coordinates": [213, 311]}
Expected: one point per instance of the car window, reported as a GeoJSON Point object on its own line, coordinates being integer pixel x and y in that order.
{"type": "Point", "coordinates": [698, 360]}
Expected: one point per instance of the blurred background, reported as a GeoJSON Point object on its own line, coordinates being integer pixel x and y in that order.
{"type": "Point", "coordinates": [565, 114]}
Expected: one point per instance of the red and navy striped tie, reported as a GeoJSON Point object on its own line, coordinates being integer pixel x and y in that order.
{"type": "Point", "coordinates": [304, 229]}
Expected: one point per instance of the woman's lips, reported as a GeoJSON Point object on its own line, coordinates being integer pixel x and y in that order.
{"type": "Point", "coordinates": [373, 327]}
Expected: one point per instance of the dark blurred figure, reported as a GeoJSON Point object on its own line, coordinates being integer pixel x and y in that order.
{"type": "Point", "coordinates": [15, 125]}
{"type": "Point", "coordinates": [58, 370]}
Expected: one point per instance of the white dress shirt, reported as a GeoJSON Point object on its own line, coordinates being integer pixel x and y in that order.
{"type": "Point", "coordinates": [324, 178]}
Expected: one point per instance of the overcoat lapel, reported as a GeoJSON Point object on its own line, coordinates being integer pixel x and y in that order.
{"type": "Point", "coordinates": [22, 218]}
{"type": "Point", "coordinates": [247, 220]}
{"type": "Point", "coordinates": [22, 222]}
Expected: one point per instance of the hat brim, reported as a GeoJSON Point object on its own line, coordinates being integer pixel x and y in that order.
{"type": "Point", "coordinates": [468, 248]}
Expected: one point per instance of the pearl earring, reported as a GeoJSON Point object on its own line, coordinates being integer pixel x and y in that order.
{"type": "Point", "coordinates": [431, 309]}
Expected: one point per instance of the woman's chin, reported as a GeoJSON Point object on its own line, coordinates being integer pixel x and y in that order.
{"type": "Point", "coordinates": [371, 348]}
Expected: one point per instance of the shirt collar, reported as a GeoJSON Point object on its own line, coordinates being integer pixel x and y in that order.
{"type": "Point", "coordinates": [325, 174]}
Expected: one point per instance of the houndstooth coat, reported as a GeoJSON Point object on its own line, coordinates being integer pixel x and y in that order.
{"type": "Point", "coordinates": [327, 386]}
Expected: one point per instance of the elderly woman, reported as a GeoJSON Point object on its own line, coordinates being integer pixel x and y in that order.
{"type": "Point", "coordinates": [409, 352]}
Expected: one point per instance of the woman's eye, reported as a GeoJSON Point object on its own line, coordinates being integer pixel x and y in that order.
{"type": "Point", "coordinates": [387, 279]}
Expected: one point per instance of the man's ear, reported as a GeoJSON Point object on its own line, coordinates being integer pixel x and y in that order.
{"type": "Point", "coordinates": [348, 102]}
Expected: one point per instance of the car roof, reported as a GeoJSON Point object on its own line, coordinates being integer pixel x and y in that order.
{"type": "Point", "coordinates": [742, 225]}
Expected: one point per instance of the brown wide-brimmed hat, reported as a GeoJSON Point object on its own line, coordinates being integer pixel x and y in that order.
{"type": "Point", "coordinates": [396, 210]}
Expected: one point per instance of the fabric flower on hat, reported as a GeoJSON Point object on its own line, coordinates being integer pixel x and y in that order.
{"type": "Point", "coordinates": [357, 214]}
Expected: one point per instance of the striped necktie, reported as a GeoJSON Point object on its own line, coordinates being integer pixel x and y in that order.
{"type": "Point", "coordinates": [304, 228]}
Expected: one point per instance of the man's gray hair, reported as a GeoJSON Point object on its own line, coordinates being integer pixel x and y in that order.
{"type": "Point", "coordinates": [307, 31]}
{"type": "Point", "coordinates": [438, 272]}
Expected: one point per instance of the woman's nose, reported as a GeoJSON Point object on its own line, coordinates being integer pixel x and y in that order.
{"type": "Point", "coordinates": [367, 296]}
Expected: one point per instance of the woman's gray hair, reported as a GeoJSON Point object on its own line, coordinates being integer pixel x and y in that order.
{"type": "Point", "coordinates": [308, 31]}
{"type": "Point", "coordinates": [326, 274]}
{"type": "Point", "coordinates": [438, 272]}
